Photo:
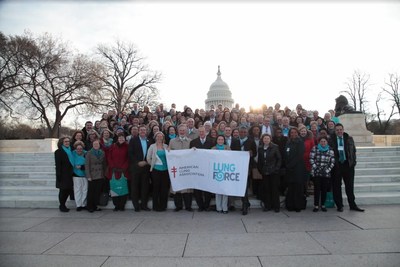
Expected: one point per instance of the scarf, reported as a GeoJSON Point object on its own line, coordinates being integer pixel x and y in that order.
{"type": "Point", "coordinates": [108, 142]}
{"type": "Point", "coordinates": [69, 154]}
{"type": "Point", "coordinates": [220, 147]}
{"type": "Point", "coordinates": [242, 141]}
{"type": "Point", "coordinates": [172, 136]}
{"type": "Point", "coordinates": [323, 148]}
{"type": "Point", "coordinates": [97, 152]}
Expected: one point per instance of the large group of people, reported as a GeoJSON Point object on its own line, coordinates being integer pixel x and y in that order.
{"type": "Point", "coordinates": [123, 155]}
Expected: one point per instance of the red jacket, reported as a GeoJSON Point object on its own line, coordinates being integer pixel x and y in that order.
{"type": "Point", "coordinates": [308, 145]}
{"type": "Point", "coordinates": [118, 161]}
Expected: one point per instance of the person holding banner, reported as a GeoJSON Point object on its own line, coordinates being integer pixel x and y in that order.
{"type": "Point", "coordinates": [203, 198]}
{"type": "Point", "coordinates": [182, 142]}
{"type": "Point", "coordinates": [268, 164]}
{"type": "Point", "coordinates": [157, 160]}
{"type": "Point", "coordinates": [221, 201]}
{"type": "Point", "coordinates": [247, 144]}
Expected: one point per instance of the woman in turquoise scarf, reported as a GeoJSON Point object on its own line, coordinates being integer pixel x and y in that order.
{"type": "Point", "coordinates": [80, 181]}
{"type": "Point", "coordinates": [221, 201]}
{"type": "Point", "coordinates": [64, 171]}
{"type": "Point", "coordinates": [322, 160]}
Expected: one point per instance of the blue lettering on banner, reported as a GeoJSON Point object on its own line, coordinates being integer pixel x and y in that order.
{"type": "Point", "coordinates": [225, 172]}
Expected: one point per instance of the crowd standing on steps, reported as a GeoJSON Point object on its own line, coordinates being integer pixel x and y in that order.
{"type": "Point", "coordinates": [123, 156]}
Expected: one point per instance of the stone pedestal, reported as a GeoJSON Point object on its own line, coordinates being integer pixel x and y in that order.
{"type": "Point", "coordinates": [354, 125]}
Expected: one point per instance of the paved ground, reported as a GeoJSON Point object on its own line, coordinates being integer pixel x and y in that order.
{"type": "Point", "coordinates": [47, 237]}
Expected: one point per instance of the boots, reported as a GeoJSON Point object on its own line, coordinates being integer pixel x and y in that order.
{"type": "Point", "coordinates": [63, 208]}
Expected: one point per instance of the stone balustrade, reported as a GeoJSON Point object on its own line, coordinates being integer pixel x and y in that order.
{"type": "Point", "coordinates": [386, 140]}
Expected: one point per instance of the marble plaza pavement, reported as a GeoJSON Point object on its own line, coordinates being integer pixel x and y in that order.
{"type": "Point", "coordinates": [47, 237]}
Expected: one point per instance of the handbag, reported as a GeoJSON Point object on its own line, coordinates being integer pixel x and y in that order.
{"type": "Point", "coordinates": [267, 170]}
{"type": "Point", "coordinates": [329, 203]}
{"type": "Point", "coordinates": [118, 187]}
{"type": "Point", "coordinates": [103, 200]}
{"type": "Point", "coordinates": [256, 174]}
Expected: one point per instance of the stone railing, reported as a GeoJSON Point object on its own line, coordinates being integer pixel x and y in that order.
{"type": "Point", "coordinates": [386, 140]}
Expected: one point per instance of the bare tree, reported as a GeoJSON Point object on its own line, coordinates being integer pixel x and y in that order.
{"type": "Point", "coordinates": [54, 81]}
{"type": "Point", "coordinates": [11, 50]}
{"type": "Point", "coordinates": [392, 89]}
{"type": "Point", "coordinates": [146, 97]}
{"type": "Point", "coordinates": [126, 73]}
{"type": "Point", "coordinates": [383, 124]}
{"type": "Point", "coordinates": [357, 87]}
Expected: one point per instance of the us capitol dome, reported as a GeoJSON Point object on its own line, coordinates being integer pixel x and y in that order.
{"type": "Point", "coordinates": [219, 93]}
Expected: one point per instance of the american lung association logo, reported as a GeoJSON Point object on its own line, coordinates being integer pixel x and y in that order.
{"type": "Point", "coordinates": [225, 172]}
{"type": "Point", "coordinates": [174, 170]}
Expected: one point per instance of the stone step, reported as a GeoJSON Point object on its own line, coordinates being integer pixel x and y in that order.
{"type": "Point", "coordinates": [378, 149]}
{"type": "Point", "coordinates": [28, 175]}
{"type": "Point", "coordinates": [383, 164]}
{"type": "Point", "coordinates": [359, 179]}
{"type": "Point", "coordinates": [27, 182]}
{"type": "Point", "coordinates": [26, 156]}
{"type": "Point", "coordinates": [23, 169]}
{"type": "Point", "coordinates": [52, 201]}
{"type": "Point", "coordinates": [376, 187]}
{"type": "Point", "coordinates": [29, 190]}
{"type": "Point", "coordinates": [378, 154]}
{"type": "Point", "coordinates": [378, 159]}
{"type": "Point", "coordinates": [377, 171]}
{"type": "Point", "coordinates": [47, 187]}
{"type": "Point", "coordinates": [16, 163]}
{"type": "Point", "coordinates": [375, 198]}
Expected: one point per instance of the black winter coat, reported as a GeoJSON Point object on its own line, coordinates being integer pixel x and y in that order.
{"type": "Point", "coordinates": [295, 167]}
{"type": "Point", "coordinates": [64, 170]}
{"type": "Point", "coordinates": [272, 162]}
{"type": "Point", "coordinates": [349, 148]}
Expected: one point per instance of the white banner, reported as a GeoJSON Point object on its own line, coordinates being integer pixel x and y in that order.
{"type": "Point", "coordinates": [217, 171]}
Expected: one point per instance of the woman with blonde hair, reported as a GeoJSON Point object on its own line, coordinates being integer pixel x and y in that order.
{"type": "Point", "coordinates": [156, 157]}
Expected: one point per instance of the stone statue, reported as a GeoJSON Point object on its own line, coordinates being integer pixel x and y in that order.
{"type": "Point", "coordinates": [342, 106]}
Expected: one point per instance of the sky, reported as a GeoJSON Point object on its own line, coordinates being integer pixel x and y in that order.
{"type": "Point", "coordinates": [270, 52]}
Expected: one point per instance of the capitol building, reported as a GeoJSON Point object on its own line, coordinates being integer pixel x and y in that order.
{"type": "Point", "coordinates": [219, 93]}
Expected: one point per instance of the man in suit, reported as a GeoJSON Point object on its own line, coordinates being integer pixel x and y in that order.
{"type": "Point", "coordinates": [135, 112]}
{"type": "Point", "coordinates": [285, 126]}
{"type": "Point", "coordinates": [182, 142]}
{"type": "Point", "coordinates": [345, 163]}
{"type": "Point", "coordinates": [266, 127]}
{"type": "Point", "coordinates": [306, 119]}
{"type": "Point", "coordinates": [203, 198]}
{"type": "Point", "coordinates": [234, 144]}
{"type": "Point", "coordinates": [140, 169]}
{"type": "Point", "coordinates": [211, 116]}
{"type": "Point", "coordinates": [247, 144]}
{"type": "Point", "coordinates": [192, 132]}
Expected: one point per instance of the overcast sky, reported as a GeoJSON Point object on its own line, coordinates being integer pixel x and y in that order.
{"type": "Point", "coordinates": [275, 52]}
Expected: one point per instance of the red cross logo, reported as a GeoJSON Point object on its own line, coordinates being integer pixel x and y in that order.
{"type": "Point", "coordinates": [173, 170]}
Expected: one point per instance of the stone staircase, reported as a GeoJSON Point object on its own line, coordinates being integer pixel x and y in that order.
{"type": "Point", "coordinates": [27, 180]}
